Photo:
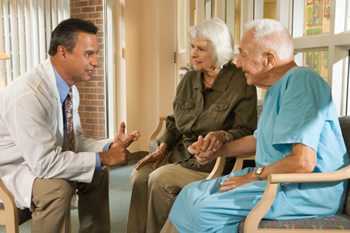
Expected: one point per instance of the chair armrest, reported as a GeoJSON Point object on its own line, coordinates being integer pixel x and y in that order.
{"type": "Point", "coordinates": [341, 174]}
{"type": "Point", "coordinates": [218, 168]}
{"type": "Point", "coordinates": [158, 129]}
{"type": "Point", "coordinates": [220, 165]}
{"type": "Point", "coordinates": [258, 212]}
{"type": "Point", "coordinates": [239, 162]}
{"type": "Point", "coordinates": [5, 196]}
{"type": "Point", "coordinates": [9, 205]}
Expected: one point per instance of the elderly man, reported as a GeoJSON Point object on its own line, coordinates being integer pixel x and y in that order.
{"type": "Point", "coordinates": [298, 132]}
{"type": "Point", "coordinates": [44, 158]}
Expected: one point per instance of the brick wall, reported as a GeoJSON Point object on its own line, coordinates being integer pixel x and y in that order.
{"type": "Point", "coordinates": [92, 101]}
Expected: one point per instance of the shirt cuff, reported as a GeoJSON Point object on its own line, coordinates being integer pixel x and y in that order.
{"type": "Point", "coordinates": [98, 162]}
{"type": "Point", "coordinates": [107, 146]}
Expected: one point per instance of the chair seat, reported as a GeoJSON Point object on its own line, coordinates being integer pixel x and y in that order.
{"type": "Point", "coordinates": [330, 222]}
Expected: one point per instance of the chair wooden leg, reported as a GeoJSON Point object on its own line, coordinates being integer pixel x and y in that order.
{"type": "Point", "coordinates": [11, 226]}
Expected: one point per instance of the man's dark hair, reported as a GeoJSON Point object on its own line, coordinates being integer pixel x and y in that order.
{"type": "Point", "coordinates": [65, 33]}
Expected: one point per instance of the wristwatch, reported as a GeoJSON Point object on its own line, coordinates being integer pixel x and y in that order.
{"type": "Point", "coordinates": [258, 172]}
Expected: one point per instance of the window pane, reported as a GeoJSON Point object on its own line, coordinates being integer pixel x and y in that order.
{"type": "Point", "coordinates": [192, 12]}
{"type": "Point", "coordinates": [311, 17]}
{"type": "Point", "coordinates": [347, 16]}
{"type": "Point", "coordinates": [208, 9]}
{"type": "Point", "coordinates": [315, 59]}
{"type": "Point", "coordinates": [270, 9]}
{"type": "Point", "coordinates": [342, 16]}
{"type": "Point", "coordinates": [233, 19]}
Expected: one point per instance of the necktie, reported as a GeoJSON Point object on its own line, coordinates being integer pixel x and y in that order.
{"type": "Point", "coordinates": [68, 138]}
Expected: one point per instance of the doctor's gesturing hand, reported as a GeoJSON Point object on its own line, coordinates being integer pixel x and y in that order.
{"type": "Point", "coordinates": [123, 138]}
{"type": "Point", "coordinates": [118, 153]}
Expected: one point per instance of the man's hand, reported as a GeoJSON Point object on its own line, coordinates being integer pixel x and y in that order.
{"type": "Point", "coordinates": [156, 157]}
{"type": "Point", "coordinates": [123, 139]}
{"type": "Point", "coordinates": [236, 181]}
{"type": "Point", "coordinates": [116, 155]}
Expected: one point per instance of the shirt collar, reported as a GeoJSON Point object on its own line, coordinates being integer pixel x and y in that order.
{"type": "Point", "coordinates": [222, 81]}
{"type": "Point", "coordinates": [62, 87]}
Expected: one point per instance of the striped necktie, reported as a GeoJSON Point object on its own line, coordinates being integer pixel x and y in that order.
{"type": "Point", "coordinates": [68, 138]}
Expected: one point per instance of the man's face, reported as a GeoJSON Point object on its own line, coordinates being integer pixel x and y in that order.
{"type": "Point", "coordinates": [81, 62]}
{"type": "Point", "coordinates": [251, 60]}
{"type": "Point", "coordinates": [201, 54]}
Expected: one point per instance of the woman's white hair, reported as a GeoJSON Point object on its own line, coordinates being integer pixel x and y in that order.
{"type": "Point", "coordinates": [216, 31]}
{"type": "Point", "coordinates": [272, 35]}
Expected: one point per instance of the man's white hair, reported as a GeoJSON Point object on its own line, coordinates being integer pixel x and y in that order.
{"type": "Point", "coordinates": [272, 35]}
{"type": "Point", "coordinates": [216, 31]}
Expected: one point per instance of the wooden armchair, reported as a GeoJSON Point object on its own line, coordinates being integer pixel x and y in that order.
{"type": "Point", "coordinates": [8, 210]}
{"type": "Point", "coordinates": [254, 223]}
{"type": "Point", "coordinates": [10, 217]}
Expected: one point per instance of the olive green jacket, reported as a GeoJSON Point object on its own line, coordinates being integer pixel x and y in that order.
{"type": "Point", "coordinates": [230, 105]}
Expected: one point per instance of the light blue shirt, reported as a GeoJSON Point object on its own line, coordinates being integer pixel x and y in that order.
{"type": "Point", "coordinates": [298, 108]}
{"type": "Point", "coordinates": [63, 90]}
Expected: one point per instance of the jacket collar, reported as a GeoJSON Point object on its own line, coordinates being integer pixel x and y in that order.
{"type": "Point", "coordinates": [222, 81]}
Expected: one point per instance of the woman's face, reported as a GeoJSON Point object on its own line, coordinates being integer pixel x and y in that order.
{"type": "Point", "coordinates": [202, 52]}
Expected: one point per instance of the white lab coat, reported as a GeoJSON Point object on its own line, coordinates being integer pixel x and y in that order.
{"type": "Point", "coordinates": [31, 136]}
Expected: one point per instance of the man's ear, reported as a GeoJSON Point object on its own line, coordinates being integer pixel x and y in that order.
{"type": "Point", "coordinates": [270, 60]}
{"type": "Point", "coordinates": [61, 50]}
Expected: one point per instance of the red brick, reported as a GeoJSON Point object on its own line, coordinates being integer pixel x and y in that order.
{"type": "Point", "coordinates": [92, 104]}
{"type": "Point", "coordinates": [94, 16]}
{"type": "Point", "coordinates": [75, 11]}
{"type": "Point", "coordinates": [95, 2]}
{"type": "Point", "coordinates": [89, 9]}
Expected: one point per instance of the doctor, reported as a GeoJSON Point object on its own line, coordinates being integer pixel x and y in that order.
{"type": "Point", "coordinates": [44, 158]}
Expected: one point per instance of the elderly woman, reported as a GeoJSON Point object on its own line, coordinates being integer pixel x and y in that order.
{"type": "Point", "coordinates": [214, 101]}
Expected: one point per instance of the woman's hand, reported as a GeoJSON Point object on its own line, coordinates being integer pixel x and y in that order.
{"type": "Point", "coordinates": [205, 157]}
{"type": "Point", "coordinates": [156, 157]}
{"type": "Point", "coordinates": [212, 142]}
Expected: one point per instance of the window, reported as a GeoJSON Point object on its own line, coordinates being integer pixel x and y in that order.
{"type": "Point", "coordinates": [270, 9]}
{"type": "Point", "coordinates": [347, 88]}
{"type": "Point", "coordinates": [315, 59]}
{"type": "Point", "coordinates": [209, 9]}
{"type": "Point", "coordinates": [233, 19]}
{"type": "Point", "coordinates": [25, 27]}
{"type": "Point", "coordinates": [320, 42]}
{"type": "Point", "coordinates": [312, 17]}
